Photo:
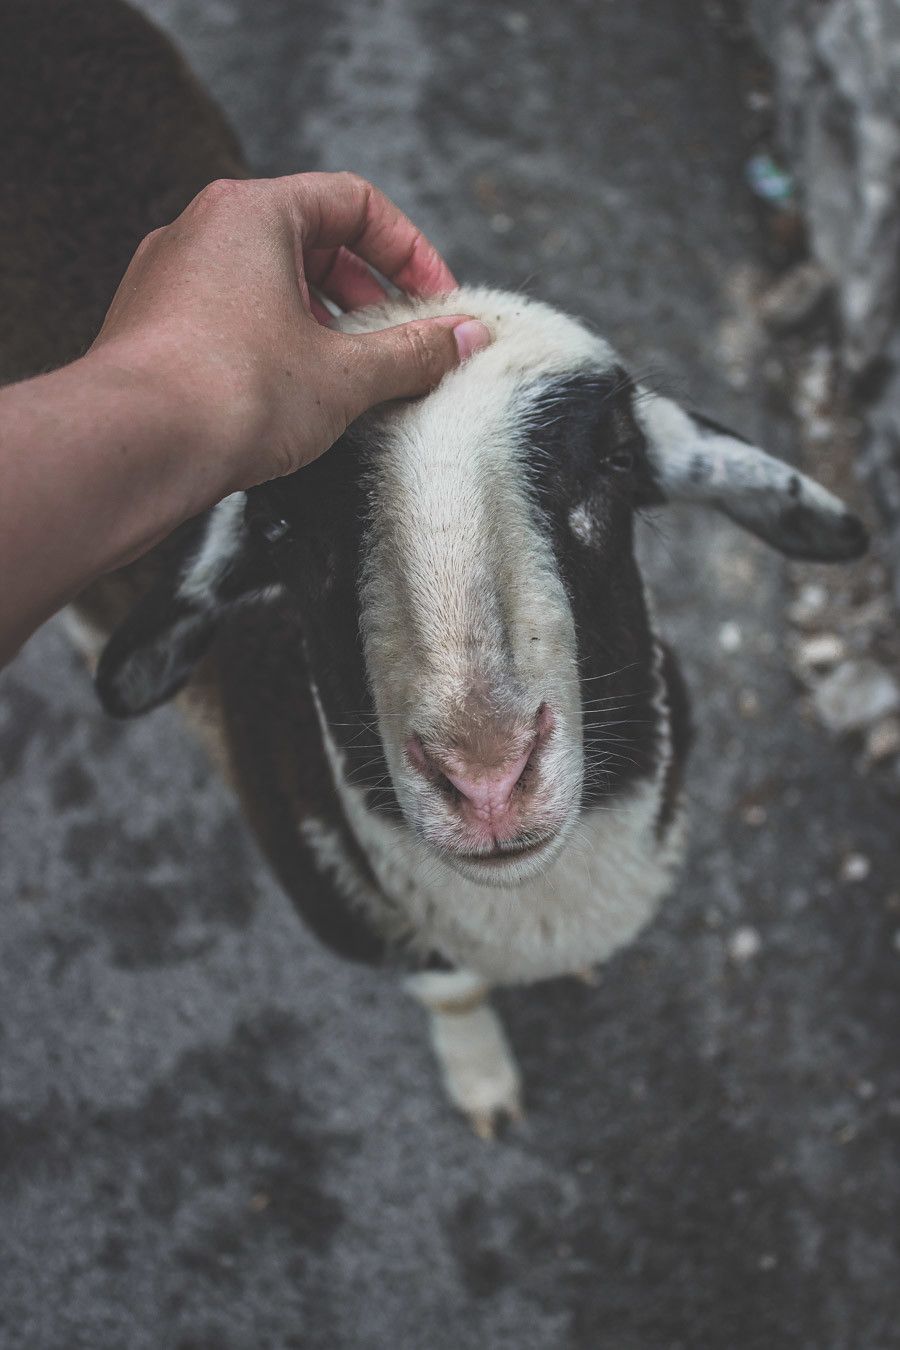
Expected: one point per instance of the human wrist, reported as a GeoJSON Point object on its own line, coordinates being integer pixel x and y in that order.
{"type": "Point", "coordinates": [201, 420]}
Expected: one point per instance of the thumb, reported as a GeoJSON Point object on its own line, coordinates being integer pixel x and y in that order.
{"type": "Point", "coordinates": [412, 358]}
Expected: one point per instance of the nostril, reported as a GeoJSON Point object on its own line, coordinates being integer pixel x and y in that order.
{"type": "Point", "coordinates": [419, 758]}
{"type": "Point", "coordinates": [417, 755]}
{"type": "Point", "coordinates": [544, 722]}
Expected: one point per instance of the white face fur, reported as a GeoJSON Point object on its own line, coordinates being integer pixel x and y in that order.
{"type": "Point", "coordinates": [464, 615]}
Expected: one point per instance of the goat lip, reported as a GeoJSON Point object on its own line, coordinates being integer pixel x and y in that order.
{"type": "Point", "coordinates": [498, 856]}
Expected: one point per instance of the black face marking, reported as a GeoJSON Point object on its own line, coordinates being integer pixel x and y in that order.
{"type": "Point", "coordinates": [318, 558]}
{"type": "Point", "coordinates": [579, 428]}
{"type": "Point", "coordinates": [153, 653]}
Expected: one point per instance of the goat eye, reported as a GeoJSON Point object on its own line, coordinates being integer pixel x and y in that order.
{"type": "Point", "coordinates": [621, 460]}
{"type": "Point", "coordinates": [270, 528]}
{"type": "Point", "coordinates": [273, 530]}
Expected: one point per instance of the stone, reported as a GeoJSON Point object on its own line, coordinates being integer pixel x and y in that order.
{"type": "Point", "coordinates": [856, 694]}
{"type": "Point", "coordinates": [796, 298]}
{"type": "Point", "coordinates": [855, 867]}
{"type": "Point", "coordinates": [883, 740]}
{"type": "Point", "coordinates": [820, 652]}
{"type": "Point", "coordinates": [730, 637]}
{"type": "Point", "coordinates": [744, 944]}
{"type": "Point", "coordinates": [807, 607]}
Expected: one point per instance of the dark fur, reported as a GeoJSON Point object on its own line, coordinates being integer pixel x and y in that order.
{"type": "Point", "coordinates": [587, 449]}
{"type": "Point", "coordinates": [106, 135]}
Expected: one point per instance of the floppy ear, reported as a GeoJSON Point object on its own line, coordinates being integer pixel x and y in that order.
{"type": "Point", "coordinates": [692, 459]}
{"type": "Point", "coordinates": [152, 653]}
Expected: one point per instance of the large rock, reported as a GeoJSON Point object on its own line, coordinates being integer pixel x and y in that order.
{"type": "Point", "coordinates": [837, 69]}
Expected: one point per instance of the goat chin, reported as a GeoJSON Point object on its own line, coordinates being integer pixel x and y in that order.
{"type": "Point", "coordinates": [508, 870]}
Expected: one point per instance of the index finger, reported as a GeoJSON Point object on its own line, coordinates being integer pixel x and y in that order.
{"type": "Point", "coordinates": [341, 208]}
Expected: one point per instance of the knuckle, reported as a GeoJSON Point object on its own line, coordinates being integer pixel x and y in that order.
{"type": "Point", "coordinates": [356, 181]}
{"type": "Point", "coordinates": [219, 192]}
{"type": "Point", "coordinates": [423, 357]}
{"type": "Point", "coordinates": [149, 242]}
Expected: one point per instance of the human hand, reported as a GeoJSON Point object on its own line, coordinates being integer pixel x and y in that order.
{"type": "Point", "coordinates": [216, 307]}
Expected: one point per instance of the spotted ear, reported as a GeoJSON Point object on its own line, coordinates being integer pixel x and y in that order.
{"type": "Point", "coordinates": [692, 459]}
{"type": "Point", "coordinates": [152, 654]}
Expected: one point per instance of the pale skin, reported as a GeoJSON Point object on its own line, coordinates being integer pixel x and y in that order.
{"type": "Point", "coordinates": [213, 371]}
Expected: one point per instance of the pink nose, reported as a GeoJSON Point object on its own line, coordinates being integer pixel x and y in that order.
{"type": "Point", "coordinates": [485, 768]}
{"type": "Point", "coordinates": [488, 790]}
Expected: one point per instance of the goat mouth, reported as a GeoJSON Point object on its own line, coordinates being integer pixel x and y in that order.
{"type": "Point", "coordinates": [504, 853]}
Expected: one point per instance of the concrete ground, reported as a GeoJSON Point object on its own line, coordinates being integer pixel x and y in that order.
{"type": "Point", "coordinates": [214, 1135]}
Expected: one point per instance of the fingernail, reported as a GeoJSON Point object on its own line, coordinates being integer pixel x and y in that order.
{"type": "Point", "coordinates": [471, 336]}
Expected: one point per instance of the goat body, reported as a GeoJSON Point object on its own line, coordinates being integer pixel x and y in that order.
{"type": "Point", "coordinates": [427, 658]}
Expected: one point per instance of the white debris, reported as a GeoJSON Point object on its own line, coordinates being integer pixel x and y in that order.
{"type": "Point", "coordinates": [754, 815]}
{"type": "Point", "coordinates": [730, 637]}
{"type": "Point", "coordinates": [855, 867]}
{"type": "Point", "coordinates": [744, 944]}
{"type": "Point", "coordinates": [856, 694]}
{"type": "Point", "coordinates": [813, 394]}
{"type": "Point", "coordinates": [883, 740]}
{"type": "Point", "coordinates": [806, 609]}
{"type": "Point", "coordinates": [820, 652]}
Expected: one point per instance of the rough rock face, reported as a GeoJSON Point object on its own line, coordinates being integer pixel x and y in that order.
{"type": "Point", "coordinates": [837, 70]}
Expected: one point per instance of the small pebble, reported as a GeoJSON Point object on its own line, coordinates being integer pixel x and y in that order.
{"type": "Point", "coordinates": [501, 223]}
{"type": "Point", "coordinates": [865, 1089]}
{"type": "Point", "coordinates": [754, 815]}
{"type": "Point", "coordinates": [730, 637]}
{"type": "Point", "coordinates": [883, 740]}
{"type": "Point", "coordinates": [808, 606]}
{"type": "Point", "coordinates": [855, 867]}
{"type": "Point", "coordinates": [768, 1261]}
{"type": "Point", "coordinates": [856, 694]}
{"type": "Point", "coordinates": [744, 944]}
{"type": "Point", "coordinates": [821, 651]}
{"type": "Point", "coordinates": [769, 181]}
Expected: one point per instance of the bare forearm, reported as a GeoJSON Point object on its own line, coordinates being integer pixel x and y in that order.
{"type": "Point", "coordinates": [97, 462]}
